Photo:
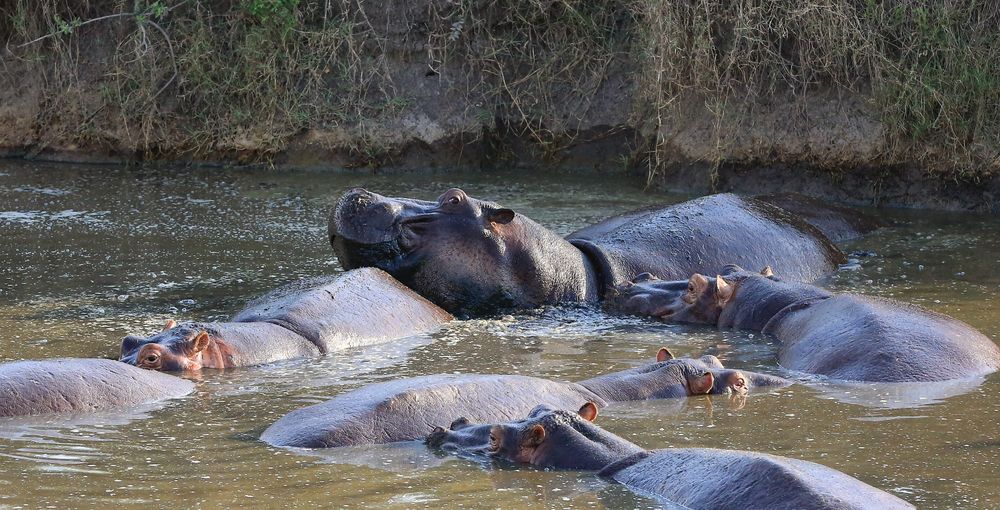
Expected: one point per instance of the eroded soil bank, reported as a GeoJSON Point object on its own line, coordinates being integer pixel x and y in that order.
{"type": "Point", "coordinates": [889, 104]}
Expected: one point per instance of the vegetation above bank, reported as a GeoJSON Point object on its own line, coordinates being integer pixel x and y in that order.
{"type": "Point", "coordinates": [244, 78]}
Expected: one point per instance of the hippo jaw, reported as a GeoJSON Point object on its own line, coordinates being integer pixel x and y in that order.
{"type": "Point", "coordinates": [369, 230]}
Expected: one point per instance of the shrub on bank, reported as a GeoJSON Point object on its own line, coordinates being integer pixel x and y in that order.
{"type": "Point", "coordinates": [203, 76]}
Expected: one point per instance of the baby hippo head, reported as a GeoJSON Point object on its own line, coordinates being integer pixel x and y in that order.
{"type": "Point", "coordinates": [547, 438]}
{"type": "Point", "coordinates": [699, 300]}
{"type": "Point", "coordinates": [176, 348]}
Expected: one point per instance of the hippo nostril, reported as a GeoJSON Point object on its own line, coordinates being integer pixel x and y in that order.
{"type": "Point", "coordinates": [738, 385]}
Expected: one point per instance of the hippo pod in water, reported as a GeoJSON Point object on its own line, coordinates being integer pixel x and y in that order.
{"type": "Point", "coordinates": [691, 477]}
{"type": "Point", "coordinates": [407, 409]}
{"type": "Point", "coordinates": [473, 257]}
{"type": "Point", "coordinates": [360, 307]}
{"type": "Point", "coordinates": [81, 385]}
{"type": "Point", "coordinates": [845, 337]}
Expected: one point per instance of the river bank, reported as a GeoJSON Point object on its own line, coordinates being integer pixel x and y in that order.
{"type": "Point", "coordinates": [889, 104]}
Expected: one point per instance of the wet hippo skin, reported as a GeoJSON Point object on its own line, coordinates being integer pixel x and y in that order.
{"type": "Point", "coordinates": [843, 336]}
{"type": "Point", "coordinates": [360, 307]}
{"type": "Point", "coordinates": [71, 385]}
{"type": "Point", "coordinates": [837, 223]}
{"type": "Point", "coordinates": [697, 478]}
{"type": "Point", "coordinates": [474, 257]}
{"type": "Point", "coordinates": [407, 409]}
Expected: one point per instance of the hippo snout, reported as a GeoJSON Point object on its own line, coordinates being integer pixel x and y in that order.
{"type": "Point", "coordinates": [365, 217]}
{"type": "Point", "coordinates": [437, 437]}
{"type": "Point", "coordinates": [130, 346]}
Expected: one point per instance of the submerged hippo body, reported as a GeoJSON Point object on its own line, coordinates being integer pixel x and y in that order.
{"type": "Point", "coordinates": [696, 478]}
{"type": "Point", "coordinates": [81, 385]}
{"type": "Point", "coordinates": [837, 223]}
{"type": "Point", "coordinates": [361, 307]}
{"type": "Point", "coordinates": [473, 257]}
{"type": "Point", "coordinates": [720, 479]}
{"type": "Point", "coordinates": [845, 337]}
{"type": "Point", "coordinates": [407, 409]}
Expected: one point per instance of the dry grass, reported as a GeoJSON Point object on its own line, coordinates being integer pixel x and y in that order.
{"type": "Point", "coordinates": [245, 76]}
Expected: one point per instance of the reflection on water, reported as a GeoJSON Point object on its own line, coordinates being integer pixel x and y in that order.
{"type": "Point", "coordinates": [898, 395]}
{"type": "Point", "coordinates": [91, 254]}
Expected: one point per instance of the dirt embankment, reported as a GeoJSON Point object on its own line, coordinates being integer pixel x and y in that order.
{"type": "Point", "coordinates": [890, 103]}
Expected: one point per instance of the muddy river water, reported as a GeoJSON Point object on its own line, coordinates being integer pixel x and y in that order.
{"type": "Point", "coordinates": [90, 254]}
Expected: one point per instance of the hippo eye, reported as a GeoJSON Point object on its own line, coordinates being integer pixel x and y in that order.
{"type": "Point", "coordinates": [494, 443]}
{"type": "Point", "coordinates": [151, 358]}
{"type": "Point", "coordinates": [454, 199]}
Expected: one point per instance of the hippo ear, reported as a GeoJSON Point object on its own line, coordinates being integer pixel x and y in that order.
{"type": "Point", "coordinates": [723, 291]}
{"type": "Point", "coordinates": [697, 283]}
{"type": "Point", "coordinates": [588, 411]}
{"type": "Point", "coordinates": [702, 384]}
{"type": "Point", "coordinates": [200, 342]}
{"type": "Point", "coordinates": [169, 325]}
{"type": "Point", "coordinates": [767, 272]}
{"type": "Point", "coordinates": [664, 354]}
{"type": "Point", "coordinates": [501, 216]}
{"type": "Point", "coordinates": [535, 436]}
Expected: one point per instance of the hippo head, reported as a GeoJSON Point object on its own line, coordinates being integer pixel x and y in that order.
{"type": "Point", "coordinates": [547, 438]}
{"type": "Point", "coordinates": [469, 256]}
{"type": "Point", "coordinates": [176, 348]}
{"type": "Point", "coordinates": [699, 300]}
{"type": "Point", "coordinates": [705, 375]}
{"type": "Point", "coordinates": [670, 377]}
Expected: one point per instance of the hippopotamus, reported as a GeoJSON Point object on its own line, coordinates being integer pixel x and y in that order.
{"type": "Point", "coordinates": [846, 337]}
{"type": "Point", "coordinates": [406, 409]}
{"type": "Point", "coordinates": [474, 257]}
{"type": "Point", "coordinates": [360, 307]}
{"type": "Point", "coordinates": [70, 385]}
{"type": "Point", "coordinates": [837, 223]}
{"type": "Point", "coordinates": [696, 478]}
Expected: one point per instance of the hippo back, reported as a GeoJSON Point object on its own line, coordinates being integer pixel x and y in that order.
{"type": "Point", "coordinates": [725, 479]}
{"type": "Point", "coordinates": [862, 338]}
{"type": "Point", "coordinates": [408, 409]}
{"type": "Point", "coordinates": [360, 307]}
{"type": "Point", "coordinates": [82, 385]}
{"type": "Point", "coordinates": [837, 223]}
{"type": "Point", "coordinates": [702, 235]}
